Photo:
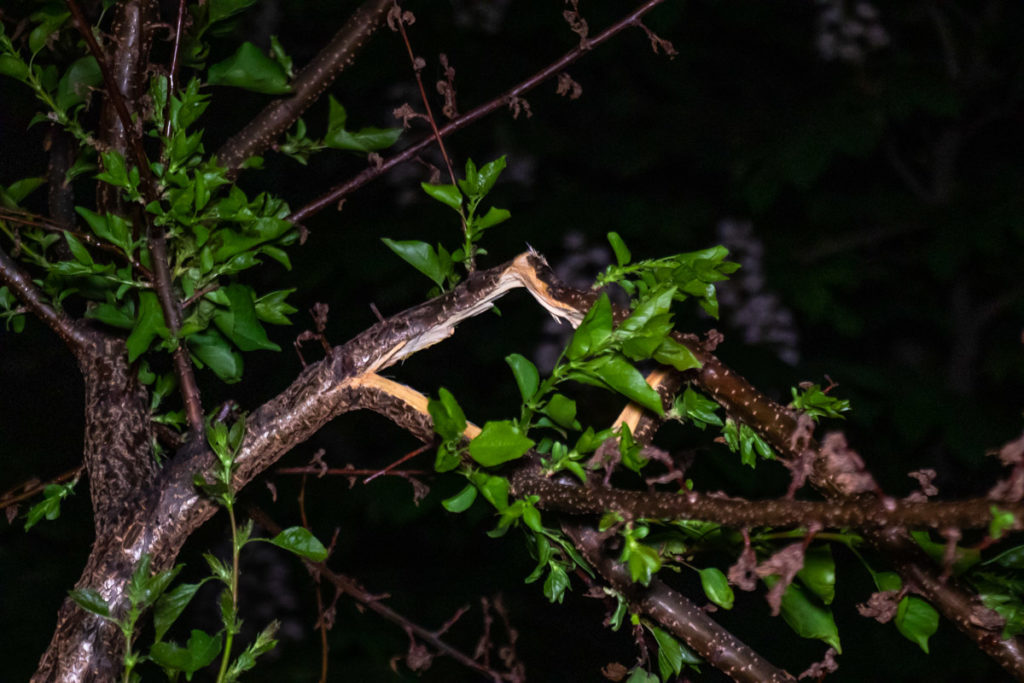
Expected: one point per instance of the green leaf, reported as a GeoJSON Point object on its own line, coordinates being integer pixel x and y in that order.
{"type": "Point", "coordinates": [252, 70]}
{"type": "Point", "coordinates": [917, 620]}
{"type": "Point", "coordinates": [149, 323]}
{"type": "Point", "coordinates": [1001, 521]}
{"type": "Point", "coordinates": [14, 67]}
{"type": "Point", "coordinates": [499, 442]}
{"type": "Point", "coordinates": [272, 308]}
{"type": "Point", "coordinates": [595, 329]}
{"type": "Point", "coordinates": [562, 410]}
{"type": "Point", "coordinates": [696, 407]}
{"type": "Point", "coordinates": [806, 616]}
{"type": "Point", "coordinates": [239, 322]}
{"type": "Point", "coordinates": [50, 21]}
{"type": "Point", "coordinates": [493, 217]}
{"type": "Point", "coordinates": [461, 501]}
{"type": "Point", "coordinates": [640, 675]}
{"type": "Point", "coordinates": [655, 304]}
{"type": "Point", "coordinates": [643, 562]}
{"type": "Point", "coordinates": [90, 600]}
{"type": "Point", "coordinates": [368, 139]}
{"type": "Point", "coordinates": [488, 175]}
{"type": "Point", "coordinates": [819, 572]}
{"type": "Point", "coordinates": [622, 255]}
{"type": "Point", "coordinates": [449, 420]}
{"type": "Point", "coordinates": [448, 195]}
{"type": "Point", "coordinates": [964, 558]}
{"type": "Point", "coordinates": [525, 372]}
{"type": "Point", "coordinates": [623, 377]}
{"type": "Point", "coordinates": [420, 256]}
{"type": "Point", "coordinates": [19, 189]}
{"type": "Point", "coordinates": [213, 350]}
{"type": "Point", "coordinates": [78, 250]}
{"type": "Point", "coordinates": [111, 228]}
{"type": "Point", "coordinates": [670, 653]}
{"type": "Point", "coordinates": [716, 587]}
{"type": "Point", "coordinates": [49, 507]}
{"type": "Point", "coordinates": [300, 541]}
{"type": "Point", "coordinates": [170, 606]}
{"type": "Point", "coordinates": [77, 83]}
{"type": "Point", "coordinates": [494, 488]}
{"type": "Point", "coordinates": [677, 355]}
{"type": "Point", "coordinates": [556, 584]}
{"type": "Point", "coordinates": [200, 651]}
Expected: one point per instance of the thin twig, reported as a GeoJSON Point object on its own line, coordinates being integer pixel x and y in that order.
{"type": "Point", "coordinates": [372, 602]}
{"type": "Point", "coordinates": [340, 191]}
{"type": "Point", "coordinates": [172, 75]}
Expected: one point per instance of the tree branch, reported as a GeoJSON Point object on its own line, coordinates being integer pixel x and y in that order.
{"type": "Point", "coordinates": [679, 615]}
{"type": "Point", "coordinates": [74, 335]}
{"type": "Point", "coordinates": [307, 86]}
{"type": "Point", "coordinates": [155, 238]}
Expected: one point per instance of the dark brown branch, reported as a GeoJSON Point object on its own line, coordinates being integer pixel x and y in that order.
{"type": "Point", "coordinates": [679, 615]}
{"type": "Point", "coordinates": [74, 335]}
{"type": "Point", "coordinates": [307, 86]}
{"type": "Point", "coordinates": [340, 191]}
{"type": "Point", "coordinates": [741, 513]}
{"type": "Point", "coordinates": [155, 236]}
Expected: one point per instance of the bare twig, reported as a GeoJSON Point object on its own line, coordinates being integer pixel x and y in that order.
{"type": "Point", "coordinates": [552, 70]}
{"type": "Point", "coordinates": [354, 590]}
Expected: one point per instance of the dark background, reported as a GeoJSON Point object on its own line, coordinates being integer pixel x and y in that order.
{"type": "Point", "coordinates": [862, 161]}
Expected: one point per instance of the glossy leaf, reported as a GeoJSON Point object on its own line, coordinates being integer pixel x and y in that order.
{"type": "Point", "coordinates": [806, 616]}
{"type": "Point", "coordinates": [461, 501]}
{"type": "Point", "coordinates": [420, 256]}
{"type": "Point", "coordinates": [819, 572]}
{"type": "Point", "coordinates": [622, 254]}
{"type": "Point", "coordinates": [448, 195]}
{"type": "Point", "coordinates": [624, 378]}
{"type": "Point", "coordinates": [670, 654]}
{"type": "Point", "coordinates": [170, 605]}
{"type": "Point", "coordinates": [239, 322]}
{"type": "Point", "coordinates": [449, 420]}
{"type": "Point", "coordinates": [300, 541]}
{"type": "Point", "coordinates": [78, 81]}
{"type": "Point", "coordinates": [493, 217]}
{"type": "Point", "coordinates": [499, 442]}
{"type": "Point", "coordinates": [149, 323]}
{"type": "Point", "coordinates": [562, 410]}
{"type": "Point", "coordinates": [252, 70]}
{"type": "Point", "coordinates": [595, 329]}
{"type": "Point", "coordinates": [214, 351]}
{"type": "Point", "coordinates": [917, 620]}
{"type": "Point", "coordinates": [199, 652]}
{"type": "Point", "coordinates": [526, 374]}
{"type": "Point", "coordinates": [671, 352]}
{"type": "Point", "coordinates": [716, 587]}
{"type": "Point", "coordinates": [556, 584]}
{"type": "Point", "coordinates": [90, 600]}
